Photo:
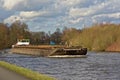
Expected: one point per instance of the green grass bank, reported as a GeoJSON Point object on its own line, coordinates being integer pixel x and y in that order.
{"type": "Point", "coordinates": [25, 72]}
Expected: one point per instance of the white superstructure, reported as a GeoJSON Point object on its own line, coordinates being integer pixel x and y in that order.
{"type": "Point", "coordinates": [23, 42]}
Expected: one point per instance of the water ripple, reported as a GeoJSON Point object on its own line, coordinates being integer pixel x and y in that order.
{"type": "Point", "coordinates": [101, 66]}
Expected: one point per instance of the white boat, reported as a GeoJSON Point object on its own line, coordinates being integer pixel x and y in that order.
{"type": "Point", "coordinates": [22, 42]}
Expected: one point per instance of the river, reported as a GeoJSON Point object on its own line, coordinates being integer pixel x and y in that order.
{"type": "Point", "coordinates": [97, 66]}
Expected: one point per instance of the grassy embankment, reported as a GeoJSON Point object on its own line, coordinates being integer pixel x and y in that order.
{"type": "Point", "coordinates": [25, 72]}
{"type": "Point", "coordinates": [99, 37]}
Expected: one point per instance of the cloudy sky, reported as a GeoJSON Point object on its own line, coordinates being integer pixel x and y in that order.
{"type": "Point", "coordinates": [47, 15]}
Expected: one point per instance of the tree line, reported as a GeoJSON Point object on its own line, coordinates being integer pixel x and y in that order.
{"type": "Point", "coordinates": [98, 37]}
{"type": "Point", "coordinates": [19, 30]}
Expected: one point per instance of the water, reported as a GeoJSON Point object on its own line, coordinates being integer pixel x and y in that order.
{"type": "Point", "coordinates": [97, 66]}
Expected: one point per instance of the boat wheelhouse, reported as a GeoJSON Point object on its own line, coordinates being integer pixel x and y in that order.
{"type": "Point", "coordinates": [21, 42]}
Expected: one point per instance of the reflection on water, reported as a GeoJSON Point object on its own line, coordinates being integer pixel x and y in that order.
{"type": "Point", "coordinates": [95, 67]}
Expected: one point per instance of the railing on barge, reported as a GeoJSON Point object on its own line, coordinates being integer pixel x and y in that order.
{"type": "Point", "coordinates": [41, 46]}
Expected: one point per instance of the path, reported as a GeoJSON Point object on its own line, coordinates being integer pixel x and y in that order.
{"type": "Point", "coordinates": [9, 75]}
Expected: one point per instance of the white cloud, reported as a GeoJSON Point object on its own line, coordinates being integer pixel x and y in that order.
{"type": "Point", "coordinates": [24, 4]}
{"type": "Point", "coordinates": [76, 20]}
{"type": "Point", "coordinates": [50, 13]}
{"type": "Point", "coordinates": [114, 15]}
{"type": "Point", "coordinates": [71, 2]}
{"type": "Point", "coordinates": [77, 12]}
{"type": "Point", "coordinates": [32, 14]}
{"type": "Point", "coordinates": [87, 11]}
{"type": "Point", "coordinates": [9, 4]}
{"type": "Point", "coordinates": [13, 18]}
{"type": "Point", "coordinates": [110, 15]}
{"type": "Point", "coordinates": [26, 16]}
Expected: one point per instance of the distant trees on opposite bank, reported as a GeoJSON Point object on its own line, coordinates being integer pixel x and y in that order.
{"type": "Point", "coordinates": [19, 30]}
{"type": "Point", "coordinates": [98, 37]}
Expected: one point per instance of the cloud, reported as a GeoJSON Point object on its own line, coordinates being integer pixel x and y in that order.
{"type": "Point", "coordinates": [13, 18]}
{"type": "Point", "coordinates": [20, 5]}
{"type": "Point", "coordinates": [70, 2]}
{"type": "Point", "coordinates": [76, 12]}
{"type": "Point", "coordinates": [32, 14]}
{"type": "Point", "coordinates": [24, 16]}
{"type": "Point", "coordinates": [76, 20]}
{"type": "Point", "coordinates": [110, 15]}
{"type": "Point", "coordinates": [87, 11]}
{"type": "Point", "coordinates": [43, 14]}
{"type": "Point", "coordinates": [10, 4]}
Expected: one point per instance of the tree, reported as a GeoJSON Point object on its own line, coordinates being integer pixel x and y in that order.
{"type": "Point", "coordinates": [4, 36]}
{"type": "Point", "coordinates": [69, 35]}
{"type": "Point", "coordinates": [56, 36]}
{"type": "Point", "coordinates": [18, 30]}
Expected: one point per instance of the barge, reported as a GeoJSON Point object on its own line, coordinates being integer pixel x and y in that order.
{"type": "Point", "coordinates": [23, 47]}
{"type": "Point", "coordinates": [49, 50]}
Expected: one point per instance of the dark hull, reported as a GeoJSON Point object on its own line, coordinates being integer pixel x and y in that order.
{"type": "Point", "coordinates": [82, 51]}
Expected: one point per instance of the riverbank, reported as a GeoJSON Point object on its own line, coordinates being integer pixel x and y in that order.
{"type": "Point", "coordinates": [25, 72]}
{"type": "Point", "coordinates": [10, 75]}
{"type": "Point", "coordinates": [114, 47]}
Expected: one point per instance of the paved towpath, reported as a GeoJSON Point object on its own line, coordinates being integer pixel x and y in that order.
{"type": "Point", "coordinates": [9, 75]}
